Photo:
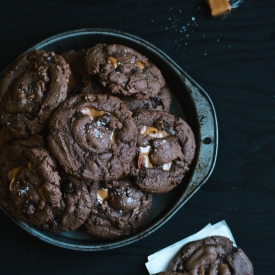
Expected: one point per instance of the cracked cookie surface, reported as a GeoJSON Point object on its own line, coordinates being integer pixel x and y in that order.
{"type": "Point", "coordinates": [31, 188]}
{"type": "Point", "coordinates": [214, 255]}
{"type": "Point", "coordinates": [124, 71]}
{"type": "Point", "coordinates": [30, 184]}
{"type": "Point", "coordinates": [165, 151]}
{"type": "Point", "coordinates": [75, 205]}
{"type": "Point", "coordinates": [120, 209]}
{"type": "Point", "coordinates": [93, 137]}
{"type": "Point", "coordinates": [31, 90]}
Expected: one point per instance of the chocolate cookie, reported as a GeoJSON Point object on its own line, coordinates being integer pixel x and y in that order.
{"type": "Point", "coordinates": [165, 150]}
{"type": "Point", "coordinates": [93, 137]}
{"type": "Point", "coordinates": [30, 91]}
{"type": "Point", "coordinates": [161, 101]}
{"type": "Point", "coordinates": [120, 209]}
{"type": "Point", "coordinates": [214, 255]}
{"type": "Point", "coordinates": [31, 188]}
{"type": "Point", "coordinates": [124, 71]}
{"type": "Point", "coordinates": [29, 182]}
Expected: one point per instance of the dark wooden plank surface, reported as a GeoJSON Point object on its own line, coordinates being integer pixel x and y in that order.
{"type": "Point", "coordinates": [233, 59]}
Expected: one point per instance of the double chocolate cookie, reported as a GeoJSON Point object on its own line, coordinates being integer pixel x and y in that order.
{"type": "Point", "coordinates": [214, 255]}
{"type": "Point", "coordinates": [31, 188]}
{"type": "Point", "coordinates": [93, 137]}
{"type": "Point", "coordinates": [120, 208]}
{"type": "Point", "coordinates": [30, 91]}
{"type": "Point", "coordinates": [124, 71]}
{"type": "Point", "coordinates": [29, 182]}
{"type": "Point", "coordinates": [165, 151]}
{"type": "Point", "coordinates": [84, 79]}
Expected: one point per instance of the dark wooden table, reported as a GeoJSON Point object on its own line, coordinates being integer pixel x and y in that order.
{"type": "Point", "coordinates": [233, 59]}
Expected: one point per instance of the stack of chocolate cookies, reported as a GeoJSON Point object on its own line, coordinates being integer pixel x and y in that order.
{"type": "Point", "coordinates": [87, 138]}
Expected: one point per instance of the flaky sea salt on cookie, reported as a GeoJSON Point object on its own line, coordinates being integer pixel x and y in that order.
{"type": "Point", "coordinates": [120, 209]}
{"type": "Point", "coordinates": [124, 71]}
{"type": "Point", "coordinates": [93, 137]}
{"type": "Point", "coordinates": [165, 150]}
{"type": "Point", "coordinates": [32, 190]}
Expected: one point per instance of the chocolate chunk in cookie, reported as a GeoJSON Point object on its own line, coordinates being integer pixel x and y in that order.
{"type": "Point", "coordinates": [124, 71]}
{"type": "Point", "coordinates": [93, 137]}
{"type": "Point", "coordinates": [30, 91]}
{"type": "Point", "coordinates": [75, 205]}
{"type": "Point", "coordinates": [31, 188]}
{"type": "Point", "coordinates": [120, 209]}
{"type": "Point", "coordinates": [213, 255]}
{"type": "Point", "coordinates": [30, 184]}
{"type": "Point", "coordinates": [161, 101]}
{"type": "Point", "coordinates": [165, 151]}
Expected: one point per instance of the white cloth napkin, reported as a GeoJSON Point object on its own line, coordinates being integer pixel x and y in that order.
{"type": "Point", "coordinates": [160, 260]}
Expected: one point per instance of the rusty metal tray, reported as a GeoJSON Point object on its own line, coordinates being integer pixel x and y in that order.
{"type": "Point", "coordinates": [190, 102]}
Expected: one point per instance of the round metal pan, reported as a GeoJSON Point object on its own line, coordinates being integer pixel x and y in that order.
{"type": "Point", "coordinates": [190, 101]}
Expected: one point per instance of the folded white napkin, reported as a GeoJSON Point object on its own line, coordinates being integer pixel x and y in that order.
{"type": "Point", "coordinates": [160, 260]}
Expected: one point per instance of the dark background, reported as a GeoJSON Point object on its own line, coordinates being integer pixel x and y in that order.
{"type": "Point", "coordinates": [233, 59]}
